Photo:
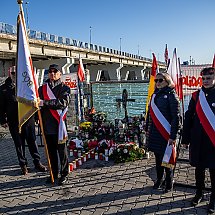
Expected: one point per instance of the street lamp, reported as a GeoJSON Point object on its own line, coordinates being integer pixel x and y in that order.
{"type": "Point", "coordinates": [90, 33]}
{"type": "Point", "coordinates": [138, 50]}
{"type": "Point", "coordinates": [120, 44]}
{"type": "Point", "coordinates": [26, 11]}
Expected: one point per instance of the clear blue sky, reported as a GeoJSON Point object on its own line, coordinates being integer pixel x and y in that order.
{"type": "Point", "coordinates": [187, 25]}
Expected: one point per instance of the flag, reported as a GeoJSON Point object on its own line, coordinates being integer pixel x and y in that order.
{"type": "Point", "coordinates": [151, 87]}
{"type": "Point", "coordinates": [26, 85]}
{"type": "Point", "coordinates": [213, 64]}
{"type": "Point", "coordinates": [169, 158]}
{"type": "Point", "coordinates": [81, 71]}
{"type": "Point", "coordinates": [166, 57]}
{"type": "Point", "coordinates": [175, 73]}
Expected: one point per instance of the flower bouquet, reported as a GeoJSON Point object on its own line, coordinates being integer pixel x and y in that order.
{"type": "Point", "coordinates": [85, 126]}
{"type": "Point", "coordinates": [127, 152]}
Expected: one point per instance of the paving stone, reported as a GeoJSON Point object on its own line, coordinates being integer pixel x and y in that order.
{"type": "Point", "coordinates": [94, 188]}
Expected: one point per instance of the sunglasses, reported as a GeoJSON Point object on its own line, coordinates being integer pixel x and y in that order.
{"type": "Point", "coordinates": [53, 70]}
{"type": "Point", "coordinates": [207, 78]}
{"type": "Point", "coordinates": [160, 80]}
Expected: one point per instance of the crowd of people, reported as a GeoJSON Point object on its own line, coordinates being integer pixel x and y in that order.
{"type": "Point", "coordinates": [164, 124]}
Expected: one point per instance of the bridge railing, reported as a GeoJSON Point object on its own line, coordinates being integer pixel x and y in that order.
{"type": "Point", "coordinates": [38, 35]}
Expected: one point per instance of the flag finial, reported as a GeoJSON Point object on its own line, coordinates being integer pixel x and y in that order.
{"type": "Point", "coordinates": [19, 1]}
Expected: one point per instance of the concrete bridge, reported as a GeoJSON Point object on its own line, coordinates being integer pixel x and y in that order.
{"type": "Point", "coordinates": [104, 64]}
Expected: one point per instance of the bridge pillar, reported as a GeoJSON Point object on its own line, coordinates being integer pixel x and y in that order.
{"type": "Point", "coordinates": [64, 64]}
{"type": "Point", "coordinates": [43, 65]}
{"type": "Point", "coordinates": [118, 72]}
{"type": "Point", "coordinates": [105, 71]}
{"type": "Point", "coordinates": [146, 73]}
{"type": "Point", "coordinates": [132, 72]}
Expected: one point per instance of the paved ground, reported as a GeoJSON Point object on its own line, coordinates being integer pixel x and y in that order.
{"type": "Point", "coordinates": [95, 188]}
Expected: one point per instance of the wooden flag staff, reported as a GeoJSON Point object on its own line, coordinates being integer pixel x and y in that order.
{"type": "Point", "coordinates": [20, 2]}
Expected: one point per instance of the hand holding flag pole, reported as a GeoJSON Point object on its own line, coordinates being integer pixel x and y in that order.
{"type": "Point", "coordinates": [26, 85]}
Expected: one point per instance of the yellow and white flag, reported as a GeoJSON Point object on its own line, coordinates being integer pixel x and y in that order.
{"type": "Point", "coordinates": [26, 85]}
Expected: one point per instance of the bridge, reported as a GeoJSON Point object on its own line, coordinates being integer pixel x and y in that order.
{"type": "Point", "coordinates": [103, 63]}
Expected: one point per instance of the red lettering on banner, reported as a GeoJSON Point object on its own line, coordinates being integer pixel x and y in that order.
{"type": "Point", "coordinates": [192, 81]}
{"type": "Point", "coordinates": [70, 83]}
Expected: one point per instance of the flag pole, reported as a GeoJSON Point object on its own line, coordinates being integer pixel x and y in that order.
{"type": "Point", "coordinates": [45, 144]}
{"type": "Point", "coordinates": [20, 2]}
{"type": "Point", "coordinates": [182, 104]}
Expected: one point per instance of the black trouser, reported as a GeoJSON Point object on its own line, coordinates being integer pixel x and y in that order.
{"type": "Point", "coordinates": [200, 180]}
{"type": "Point", "coordinates": [28, 134]}
{"type": "Point", "coordinates": [54, 150]}
{"type": "Point", "coordinates": [160, 169]}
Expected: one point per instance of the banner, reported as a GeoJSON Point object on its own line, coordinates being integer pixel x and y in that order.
{"type": "Point", "coordinates": [26, 86]}
{"type": "Point", "coordinates": [71, 80]}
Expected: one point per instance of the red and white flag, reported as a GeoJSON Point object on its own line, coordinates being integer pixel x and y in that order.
{"type": "Point", "coordinates": [175, 73]}
{"type": "Point", "coordinates": [213, 64]}
{"type": "Point", "coordinates": [81, 71]}
{"type": "Point", "coordinates": [169, 158]}
{"type": "Point", "coordinates": [26, 85]}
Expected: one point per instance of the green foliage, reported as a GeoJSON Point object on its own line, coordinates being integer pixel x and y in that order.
{"type": "Point", "coordinates": [126, 153]}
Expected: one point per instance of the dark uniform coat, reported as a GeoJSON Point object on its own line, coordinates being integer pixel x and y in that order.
{"type": "Point", "coordinates": [202, 151]}
{"type": "Point", "coordinates": [8, 104]}
{"type": "Point", "coordinates": [168, 103]}
{"type": "Point", "coordinates": [62, 94]}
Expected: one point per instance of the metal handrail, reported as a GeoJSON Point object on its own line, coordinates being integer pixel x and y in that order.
{"type": "Point", "coordinates": [38, 35]}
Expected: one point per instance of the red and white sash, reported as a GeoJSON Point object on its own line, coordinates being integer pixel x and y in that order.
{"type": "Point", "coordinates": [163, 126]}
{"type": "Point", "coordinates": [159, 120]}
{"type": "Point", "coordinates": [206, 116]}
{"type": "Point", "coordinates": [59, 115]}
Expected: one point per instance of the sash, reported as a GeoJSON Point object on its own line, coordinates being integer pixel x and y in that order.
{"type": "Point", "coordinates": [59, 115]}
{"type": "Point", "coordinates": [206, 116]}
{"type": "Point", "coordinates": [159, 120]}
{"type": "Point", "coordinates": [163, 126]}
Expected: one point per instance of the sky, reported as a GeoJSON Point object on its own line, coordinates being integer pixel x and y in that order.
{"type": "Point", "coordinates": [144, 26]}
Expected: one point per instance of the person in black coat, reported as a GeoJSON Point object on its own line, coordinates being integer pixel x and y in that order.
{"type": "Point", "coordinates": [167, 102]}
{"type": "Point", "coordinates": [51, 124]}
{"type": "Point", "coordinates": [195, 134]}
{"type": "Point", "coordinates": [9, 118]}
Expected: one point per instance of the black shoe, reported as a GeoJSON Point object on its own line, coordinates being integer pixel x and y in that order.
{"type": "Point", "coordinates": [49, 181]}
{"type": "Point", "coordinates": [157, 185]}
{"type": "Point", "coordinates": [40, 167]}
{"type": "Point", "coordinates": [62, 180]}
{"type": "Point", "coordinates": [167, 189]}
{"type": "Point", "coordinates": [197, 199]}
{"type": "Point", "coordinates": [211, 206]}
{"type": "Point", "coordinates": [169, 186]}
{"type": "Point", "coordinates": [24, 170]}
